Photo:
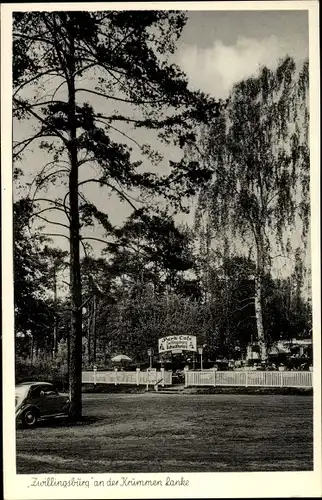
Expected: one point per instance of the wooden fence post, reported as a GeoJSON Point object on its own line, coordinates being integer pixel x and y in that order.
{"type": "Point", "coordinates": [137, 376]}
{"type": "Point", "coordinates": [162, 376]}
{"type": "Point", "coordinates": [214, 370]}
{"type": "Point", "coordinates": [115, 371]}
{"type": "Point", "coordinates": [186, 369]}
{"type": "Point", "coordinates": [246, 378]}
{"type": "Point", "coordinates": [94, 374]}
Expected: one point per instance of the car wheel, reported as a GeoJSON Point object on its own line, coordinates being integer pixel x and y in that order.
{"type": "Point", "coordinates": [30, 417]}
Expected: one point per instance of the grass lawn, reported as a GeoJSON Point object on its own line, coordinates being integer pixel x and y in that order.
{"type": "Point", "coordinates": [174, 433]}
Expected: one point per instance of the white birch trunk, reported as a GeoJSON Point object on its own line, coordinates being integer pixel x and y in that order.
{"type": "Point", "coordinates": [260, 266]}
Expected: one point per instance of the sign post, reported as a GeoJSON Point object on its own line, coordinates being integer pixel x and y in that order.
{"type": "Point", "coordinates": [200, 351]}
{"type": "Point", "coordinates": [150, 352]}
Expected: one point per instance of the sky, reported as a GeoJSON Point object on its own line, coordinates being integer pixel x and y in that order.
{"type": "Point", "coordinates": [220, 48]}
{"type": "Point", "coordinates": [217, 49]}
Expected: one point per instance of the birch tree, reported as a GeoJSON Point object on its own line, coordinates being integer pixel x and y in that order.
{"type": "Point", "coordinates": [257, 155]}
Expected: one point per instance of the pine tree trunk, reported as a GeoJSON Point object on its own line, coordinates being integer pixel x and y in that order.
{"type": "Point", "coordinates": [75, 368]}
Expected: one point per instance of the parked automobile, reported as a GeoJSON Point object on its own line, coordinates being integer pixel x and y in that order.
{"type": "Point", "coordinates": [38, 401]}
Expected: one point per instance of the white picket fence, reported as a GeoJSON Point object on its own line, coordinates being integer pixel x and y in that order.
{"type": "Point", "coordinates": [202, 378]}
{"type": "Point", "coordinates": [249, 378]}
{"type": "Point", "coordinates": [117, 377]}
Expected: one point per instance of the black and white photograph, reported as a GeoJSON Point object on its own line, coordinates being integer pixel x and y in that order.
{"type": "Point", "coordinates": [160, 180]}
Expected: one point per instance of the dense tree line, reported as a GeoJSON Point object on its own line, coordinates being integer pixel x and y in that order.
{"type": "Point", "coordinates": [129, 303]}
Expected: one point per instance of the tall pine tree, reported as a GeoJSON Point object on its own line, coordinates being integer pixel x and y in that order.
{"type": "Point", "coordinates": [61, 62]}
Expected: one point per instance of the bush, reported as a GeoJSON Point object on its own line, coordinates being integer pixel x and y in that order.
{"type": "Point", "coordinates": [110, 388]}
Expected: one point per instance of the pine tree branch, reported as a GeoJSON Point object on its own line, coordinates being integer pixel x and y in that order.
{"type": "Point", "coordinates": [129, 101]}
{"type": "Point", "coordinates": [57, 88]}
{"type": "Point", "coordinates": [16, 144]}
{"type": "Point", "coordinates": [85, 68]}
{"type": "Point", "coordinates": [126, 119]}
{"type": "Point", "coordinates": [48, 209]}
{"type": "Point", "coordinates": [43, 121]}
{"type": "Point", "coordinates": [97, 239]}
{"type": "Point", "coordinates": [51, 164]}
{"type": "Point", "coordinates": [36, 77]}
{"type": "Point", "coordinates": [64, 82]}
{"type": "Point", "coordinates": [53, 174]}
{"type": "Point", "coordinates": [25, 143]}
{"type": "Point", "coordinates": [101, 94]}
{"type": "Point", "coordinates": [51, 201]}
{"type": "Point", "coordinates": [34, 38]}
{"type": "Point", "coordinates": [101, 182]}
{"type": "Point", "coordinates": [125, 245]}
{"type": "Point", "coordinates": [86, 160]}
{"type": "Point", "coordinates": [41, 104]}
{"type": "Point", "coordinates": [51, 222]}
{"type": "Point", "coordinates": [56, 234]}
{"type": "Point", "coordinates": [120, 132]}
{"type": "Point", "coordinates": [53, 30]}
{"type": "Point", "coordinates": [28, 141]}
{"type": "Point", "coordinates": [82, 197]}
{"type": "Point", "coordinates": [40, 184]}
{"type": "Point", "coordinates": [79, 194]}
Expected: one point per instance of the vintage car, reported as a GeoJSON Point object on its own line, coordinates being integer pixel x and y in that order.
{"type": "Point", "coordinates": [38, 401]}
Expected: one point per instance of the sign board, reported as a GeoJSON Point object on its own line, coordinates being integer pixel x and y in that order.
{"type": "Point", "coordinates": [178, 342]}
{"type": "Point", "coordinates": [151, 370]}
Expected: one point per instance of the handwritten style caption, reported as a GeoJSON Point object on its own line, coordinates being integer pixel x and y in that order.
{"type": "Point", "coordinates": [124, 481]}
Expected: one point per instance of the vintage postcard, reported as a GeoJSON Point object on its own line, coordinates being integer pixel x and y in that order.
{"type": "Point", "coordinates": [161, 250]}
